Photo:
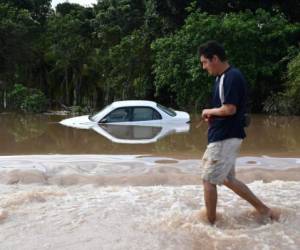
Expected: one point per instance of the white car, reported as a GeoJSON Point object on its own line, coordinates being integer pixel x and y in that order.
{"type": "Point", "coordinates": [143, 113]}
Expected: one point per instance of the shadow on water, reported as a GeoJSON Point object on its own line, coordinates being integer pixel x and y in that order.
{"type": "Point", "coordinates": [42, 134]}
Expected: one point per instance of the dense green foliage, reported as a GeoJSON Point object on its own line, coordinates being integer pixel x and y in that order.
{"type": "Point", "coordinates": [27, 99]}
{"type": "Point", "coordinates": [17, 96]}
{"type": "Point", "coordinates": [255, 42]}
{"type": "Point", "coordinates": [35, 102]}
{"type": "Point", "coordinates": [287, 102]}
{"type": "Point", "coordinates": [144, 49]}
{"type": "Point", "coordinates": [293, 78]}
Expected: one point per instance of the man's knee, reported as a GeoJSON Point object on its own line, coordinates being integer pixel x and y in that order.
{"type": "Point", "coordinates": [209, 186]}
{"type": "Point", "coordinates": [228, 182]}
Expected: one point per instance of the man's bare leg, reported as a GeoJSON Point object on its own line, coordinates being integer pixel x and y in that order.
{"type": "Point", "coordinates": [244, 192]}
{"type": "Point", "coordinates": [210, 197]}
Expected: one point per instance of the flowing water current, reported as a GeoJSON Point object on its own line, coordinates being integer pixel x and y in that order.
{"type": "Point", "coordinates": [64, 188]}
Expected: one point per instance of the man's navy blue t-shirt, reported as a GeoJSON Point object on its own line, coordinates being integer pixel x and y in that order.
{"type": "Point", "coordinates": [235, 92]}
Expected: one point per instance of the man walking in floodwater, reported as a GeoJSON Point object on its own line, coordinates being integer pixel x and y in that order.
{"type": "Point", "coordinates": [226, 121]}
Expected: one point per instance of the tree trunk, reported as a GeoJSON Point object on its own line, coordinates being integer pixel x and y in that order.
{"type": "Point", "coordinates": [77, 88]}
{"type": "Point", "coordinates": [44, 80]}
{"type": "Point", "coordinates": [67, 87]}
{"type": "Point", "coordinates": [4, 100]}
{"type": "Point", "coordinates": [106, 99]}
{"type": "Point", "coordinates": [74, 81]}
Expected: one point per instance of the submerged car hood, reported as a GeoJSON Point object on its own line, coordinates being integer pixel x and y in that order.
{"type": "Point", "coordinates": [82, 122]}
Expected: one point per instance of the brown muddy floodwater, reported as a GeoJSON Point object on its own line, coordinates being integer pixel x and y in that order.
{"type": "Point", "coordinates": [42, 134]}
{"type": "Point", "coordinates": [70, 189]}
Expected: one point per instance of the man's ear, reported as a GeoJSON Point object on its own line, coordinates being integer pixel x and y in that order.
{"type": "Point", "coordinates": [215, 58]}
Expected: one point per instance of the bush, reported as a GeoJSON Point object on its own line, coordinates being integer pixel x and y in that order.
{"type": "Point", "coordinates": [287, 102]}
{"type": "Point", "coordinates": [36, 102]}
{"type": "Point", "coordinates": [26, 99]}
{"type": "Point", "coordinates": [293, 82]}
{"type": "Point", "coordinates": [278, 103]}
{"type": "Point", "coordinates": [17, 96]}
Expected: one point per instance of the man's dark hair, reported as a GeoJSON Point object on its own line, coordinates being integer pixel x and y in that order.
{"type": "Point", "coordinates": [211, 48]}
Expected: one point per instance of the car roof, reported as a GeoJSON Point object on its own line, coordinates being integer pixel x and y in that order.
{"type": "Point", "coordinates": [133, 103]}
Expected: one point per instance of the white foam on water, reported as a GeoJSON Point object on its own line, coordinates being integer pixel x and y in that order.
{"type": "Point", "coordinates": [155, 217]}
{"type": "Point", "coordinates": [114, 170]}
{"type": "Point", "coordinates": [267, 162]}
{"type": "Point", "coordinates": [118, 169]}
{"type": "Point", "coordinates": [56, 211]}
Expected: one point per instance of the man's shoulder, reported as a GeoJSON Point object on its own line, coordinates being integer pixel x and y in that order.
{"type": "Point", "coordinates": [234, 71]}
{"type": "Point", "coordinates": [234, 74]}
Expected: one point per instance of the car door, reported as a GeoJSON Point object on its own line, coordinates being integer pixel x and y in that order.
{"type": "Point", "coordinates": [118, 115]}
{"type": "Point", "coordinates": [145, 115]}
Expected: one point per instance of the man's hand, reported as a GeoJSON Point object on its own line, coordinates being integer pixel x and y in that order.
{"type": "Point", "coordinates": [224, 110]}
{"type": "Point", "coordinates": [206, 115]}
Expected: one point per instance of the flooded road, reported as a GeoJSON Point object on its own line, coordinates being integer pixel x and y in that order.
{"type": "Point", "coordinates": [69, 189]}
{"type": "Point", "coordinates": [143, 218]}
{"type": "Point", "coordinates": [42, 134]}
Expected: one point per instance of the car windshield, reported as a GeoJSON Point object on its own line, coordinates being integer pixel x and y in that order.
{"type": "Point", "coordinates": [169, 111]}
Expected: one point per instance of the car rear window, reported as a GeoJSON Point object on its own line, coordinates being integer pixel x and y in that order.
{"type": "Point", "coordinates": [169, 111]}
{"type": "Point", "coordinates": [145, 114]}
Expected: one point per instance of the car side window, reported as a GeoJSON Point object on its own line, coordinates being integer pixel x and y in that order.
{"type": "Point", "coordinates": [145, 114]}
{"type": "Point", "coordinates": [118, 115]}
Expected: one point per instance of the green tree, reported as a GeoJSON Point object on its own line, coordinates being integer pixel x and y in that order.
{"type": "Point", "coordinates": [256, 43]}
{"type": "Point", "coordinates": [131, 66]}
{"type": "Point", "coordinates": [287, 101]}
{"type": "Point", "coordinates": [70, 45]}
{"type": "Point", "coordinates": [290, 8]}
{"type": "Point", "coordinates": [125, 49]}
{"type": "Point", "coordinates": [293, 77]}
{"type": "Point", "coordinates": [15, 28]}
{"type": "Point", "coordinates": [22, 24]}
{"type": "Point", "coordinates": [120, 45]}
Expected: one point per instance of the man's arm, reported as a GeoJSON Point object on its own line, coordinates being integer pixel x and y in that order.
{"type": "Point", "coordinates": [224, 110]}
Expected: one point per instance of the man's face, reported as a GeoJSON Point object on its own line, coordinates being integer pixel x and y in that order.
{"type": "Point", "coordinates": [210, 65]}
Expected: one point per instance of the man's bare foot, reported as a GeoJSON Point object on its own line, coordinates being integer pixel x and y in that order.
{"type": "Point", "coordinates": [268, 215]}
{"type": "Point", "coordinates": [202, 215]}
{"type": "Point", "coordinates": [274, 215]}
{"type": "Point", "coordinates": [3, 214]}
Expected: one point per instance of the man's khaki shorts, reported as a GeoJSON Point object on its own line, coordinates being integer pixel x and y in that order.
{"type": "Point", "coordinates": [218, 161]}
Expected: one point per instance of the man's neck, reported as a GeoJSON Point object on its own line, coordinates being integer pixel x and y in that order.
{"type": "Point", "coordinates": [223, 67]}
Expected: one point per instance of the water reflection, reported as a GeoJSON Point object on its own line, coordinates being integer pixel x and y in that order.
{"type": "Point", "coordinates": [129, 134]}
{"type": "Point", "coordinates": [274, 135]}
{"type": "Point", "coordinates": [24, 127]}
{"type": "Point", "coordinates": [42, 134]}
